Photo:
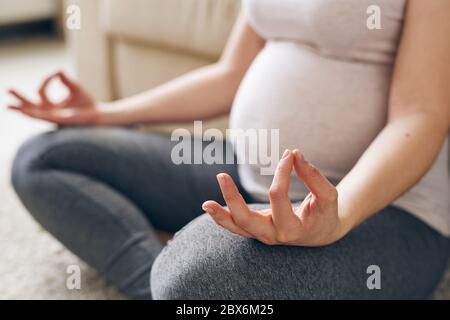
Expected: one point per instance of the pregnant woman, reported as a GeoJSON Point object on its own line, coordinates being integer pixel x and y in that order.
{"type": "Point", "coordinates": [363, 185]}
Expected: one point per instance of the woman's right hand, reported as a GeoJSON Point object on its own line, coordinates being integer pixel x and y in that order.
{"type": "Point", "coordinates": [77, 109]}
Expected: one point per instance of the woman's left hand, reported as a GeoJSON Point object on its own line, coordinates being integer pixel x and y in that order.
{"type": "Point", "coordinates": [315, 222]}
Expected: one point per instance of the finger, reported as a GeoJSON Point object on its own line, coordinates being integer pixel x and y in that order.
{"type": "Point", "coordinates": [36, 113]}
{"type": "Point", "coordinates": [234, 199]}
{"type": "Point", "coordinates": [252, 222]}
{"type": "Point", "coordinates": [21, 98]}
{"type": "Point", "coordinates": [43, 90]}
{"type": "Point", "coordinates": [14, 108]}
{"type": "Point", "coordinates": [44, 114]}
{"type": "Point", "coordinates": [73, 86]}
{"type": "Point", "coordinates": [41, 114]}
{"type": "Point", "coordinates": [317, 183]}
{"type": "Point", "coordinates": [282, 212]}
{"type": "Point", "coordinates": [222, 217]}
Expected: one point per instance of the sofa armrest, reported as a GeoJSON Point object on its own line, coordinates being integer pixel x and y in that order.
{"type": "Point", "coordinates": [198, 27]}
{"type": "Point", "coordinates": [90, 48]}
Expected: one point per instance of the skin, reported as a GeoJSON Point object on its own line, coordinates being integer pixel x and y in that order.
{"type": "Point", "coordinates": [417, 125]}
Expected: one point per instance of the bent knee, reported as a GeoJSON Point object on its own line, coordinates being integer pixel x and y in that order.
{"type": "Point", "coordinates": [29, 157]}
{"type": "Point", "coordinates": [49, 150]}
{"type": "Point", "coordinates": [204, 261]}
{"type": "Point", "coordinates": [187, 265]}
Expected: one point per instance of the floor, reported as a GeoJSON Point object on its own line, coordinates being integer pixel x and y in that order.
{"type": "Point", "coordinates": [32, 264]}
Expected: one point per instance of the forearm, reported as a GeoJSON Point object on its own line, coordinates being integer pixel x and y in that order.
{"type": "Point", "coordinates": [400, 155]}
{"type": "Point", "coordinates": [201, 94]}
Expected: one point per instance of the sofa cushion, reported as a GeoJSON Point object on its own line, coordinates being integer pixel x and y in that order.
{"type": "Point", "coordinates": [138, 68]}
{"type": "Point", "coordinates": [199, 26]}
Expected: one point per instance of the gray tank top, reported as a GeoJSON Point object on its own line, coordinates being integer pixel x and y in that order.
{"type": "Point", "coordinates": [323, 80]}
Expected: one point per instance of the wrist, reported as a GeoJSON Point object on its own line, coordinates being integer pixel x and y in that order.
{"type": "Point", "coordinates": [347, 216]}
{"type": "Point", "coordinates": [107, 114]}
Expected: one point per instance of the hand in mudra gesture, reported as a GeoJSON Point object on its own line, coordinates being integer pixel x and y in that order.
{"type": "Point", "coordinates": [314, 223]}
{"type": "Point", "coordinates": [78, 108]}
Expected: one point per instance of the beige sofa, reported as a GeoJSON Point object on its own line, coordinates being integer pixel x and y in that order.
{"type": "Point", "coordinates": [125, 47]}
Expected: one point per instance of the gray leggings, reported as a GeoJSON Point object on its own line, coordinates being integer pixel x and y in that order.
{"type": "Point", "coordinates": [102, 192]}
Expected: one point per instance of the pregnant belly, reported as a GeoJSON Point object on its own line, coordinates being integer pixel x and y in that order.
{"type": "Point", "coordinates": [329, 109]}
